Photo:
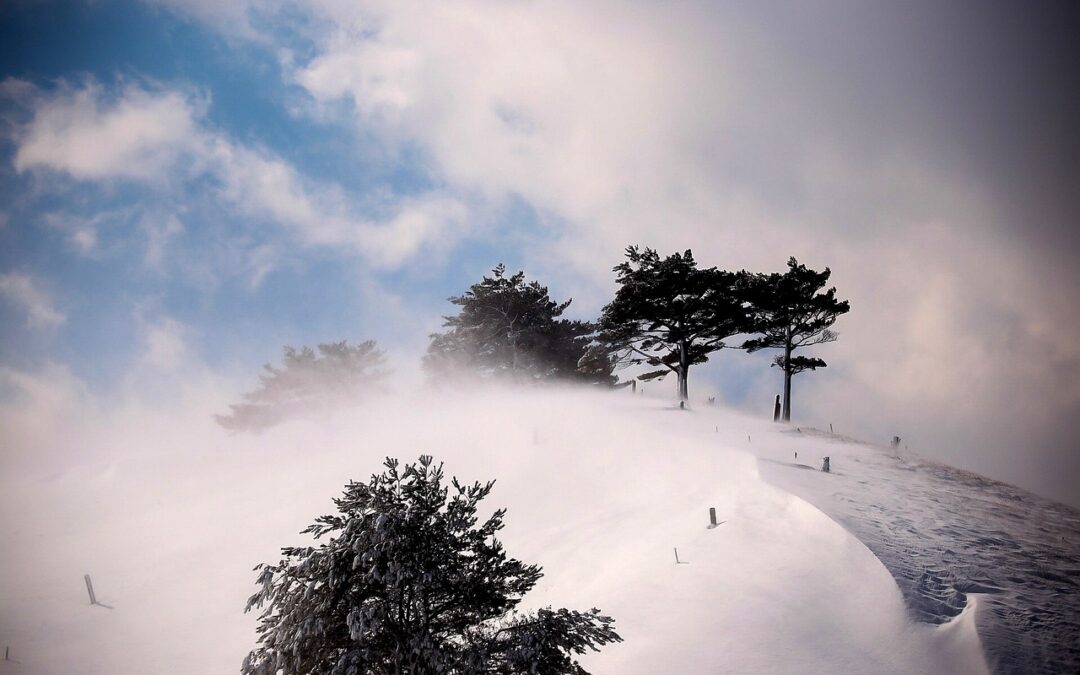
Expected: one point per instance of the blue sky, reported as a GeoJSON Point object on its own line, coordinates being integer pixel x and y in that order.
{"type": "Point", "coordinates": [108, 292]}
{"type": "Point", "coordinates": [188, 186]}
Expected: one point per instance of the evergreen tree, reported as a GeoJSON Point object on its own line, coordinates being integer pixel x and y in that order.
{"type": "Point", "coordinates": [307, 380]}
{"type": "Point", "coordinates": [510, 328]}
{"type": "Point", "coordinates": [789, 314]}
{"type": "Point", "coordinates": [409, 583]}
{"type": "Point", "coordinates": [670, 313]}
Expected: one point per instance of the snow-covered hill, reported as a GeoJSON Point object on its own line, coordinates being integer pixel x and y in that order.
{"type": "Point", "coordinates": [169, 514]}
{"type": "Point", "coordinates": [951, 538]}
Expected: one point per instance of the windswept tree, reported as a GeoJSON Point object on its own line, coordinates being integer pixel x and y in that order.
{"type": "Point", "coordinates": [411, 582]}
{"type": "Point", "coordinates": [789, 314]}
{"type": "Point", "coordinates": [509, 328]}
{"type": "Point", "coordinates": [308, 380]}
{"type": "Point", "coordinates": [670, 314]}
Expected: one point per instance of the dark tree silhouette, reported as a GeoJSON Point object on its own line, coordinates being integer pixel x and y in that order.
{"type": "Point", "coordinates": [307, 380]}
{"type": "Point", "coordinates": [512, 329]}
{"type": "Point", "coordinates": [789, 314]}
{"type": "Point", "coordinates": [671, 314]}
{"type": "Point", "coordinates": [409, 583]}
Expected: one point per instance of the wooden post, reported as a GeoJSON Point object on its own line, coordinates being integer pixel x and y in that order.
{"type": "Point", "coordinates": [712, 516]}
{"type": "Point", "coordinates": [825, 465]}
{"type": "Point", "coordinates": [90, 589]}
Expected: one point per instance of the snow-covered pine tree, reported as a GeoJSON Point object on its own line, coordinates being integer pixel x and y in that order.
{"type": "Point", "coordinates": [408, 583]}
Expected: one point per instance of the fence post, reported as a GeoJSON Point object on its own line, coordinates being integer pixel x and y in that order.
{"type": "Point", "coordinates": [90, 589]}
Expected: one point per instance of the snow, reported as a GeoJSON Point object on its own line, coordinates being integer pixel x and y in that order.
{"type": "Point", "coordinates": [168, 513]}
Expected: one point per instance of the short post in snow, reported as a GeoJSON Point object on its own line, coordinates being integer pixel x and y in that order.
{"type": "Point", "coordinates": [825, 465]}
{"type": "Point", "coordinates": [633, 387]}
{"type": "Point", "coordinates": [90, 589]}
{"type": "Point", "coordinates": [895, 441]}
{"type": "Point", "coordinates": [677, 561]}
{"type": "Point", "coordinates": [712, 517]}
{"type": "Point", "coordinates": [776, 409]}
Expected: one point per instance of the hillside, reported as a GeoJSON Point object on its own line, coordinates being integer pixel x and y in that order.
{"type": "Point", "coordinates": [170, 514]}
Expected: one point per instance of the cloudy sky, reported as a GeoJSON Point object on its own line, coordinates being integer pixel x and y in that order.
{"type": "Point", "coordinates": [188, 185]}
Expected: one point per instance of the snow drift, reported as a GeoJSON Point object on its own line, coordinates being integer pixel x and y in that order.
{"type": "Point", "coordinates": [169, 514]}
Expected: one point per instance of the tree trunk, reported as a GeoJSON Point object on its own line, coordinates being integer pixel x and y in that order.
{"type": "Point", "coordinates": [787, 380]}
{"type": "Point", "coordinates": [684, 366]}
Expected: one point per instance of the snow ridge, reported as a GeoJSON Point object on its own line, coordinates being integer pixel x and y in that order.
{"type": "Point", "coordinates": [946, 534]}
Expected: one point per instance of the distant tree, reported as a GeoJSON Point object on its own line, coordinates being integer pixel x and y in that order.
{"type": "Point", "coordinates": [409, 584]}
{"type": "Point", "coordinates": [307, 380]}
{"type": "Point", "coordinates": [789, 314]}
{"type": "Point", "coordinates": [671, 314]}
{"type": "Point", "coordinates": [510, 328]}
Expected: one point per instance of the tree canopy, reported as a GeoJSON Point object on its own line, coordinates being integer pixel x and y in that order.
{"type": "Point", "coordinates": [790, 313]}
{"type": "Point", "coordinates": [410, 582]}
{"type": "Point", "coordinates": [510, 328]}
{"type": "Point", "coordinates": [670, 314]}
{"type": "Point", "coordinates": [307, 380]}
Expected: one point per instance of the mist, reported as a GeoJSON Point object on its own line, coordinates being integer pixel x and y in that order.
{"type": "Point", "coordinates": [169, 512]}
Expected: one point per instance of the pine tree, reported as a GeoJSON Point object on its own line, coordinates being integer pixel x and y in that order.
{"type": "Point", "coordinates": [307, 380]}
{"type": "Point", "coordinates": [408, 583]}
{"type": "Point", "coordinates": [509, 328]}
{"type": "Point", "coordinates": [671, 314]}
{"type": "Point", "coordinates": [789, 314]}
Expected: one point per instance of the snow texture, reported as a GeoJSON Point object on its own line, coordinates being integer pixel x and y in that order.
{"type": "Point", "coordinates": [948, 536]}
{"type": "Point", "coordinates": [169, 514]}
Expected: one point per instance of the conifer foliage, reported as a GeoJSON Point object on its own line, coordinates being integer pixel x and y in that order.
{"type": "Point", "coordinates": [670, 314]}
{"type": "Point", "coordinates": [510, 328]}
{"type": "Point", "coordinates": [409, 582]}
{"type": "Point", "coordinates": [791, 313]}
{"type": "Point", "coordinates": [308, 379]}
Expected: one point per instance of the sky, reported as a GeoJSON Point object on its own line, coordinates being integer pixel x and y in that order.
{"type": "Point", "coordinates": [186, 187]}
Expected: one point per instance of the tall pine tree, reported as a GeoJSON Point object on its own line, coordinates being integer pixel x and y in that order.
{"type": "Point", "coordinates": [790, 313]}
{"type": "Point", "coordinates": [670, 314]}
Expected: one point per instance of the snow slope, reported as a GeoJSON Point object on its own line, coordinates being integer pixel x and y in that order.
{"type": "Point", "coordinates": [169, 514]}
{"type": "Point", "coordinates": [949, 536]}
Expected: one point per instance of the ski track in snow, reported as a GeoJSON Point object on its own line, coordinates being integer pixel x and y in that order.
{"type": "Point", "coordinates": [945, 533]}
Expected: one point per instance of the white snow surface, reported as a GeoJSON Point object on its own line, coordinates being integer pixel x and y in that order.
{"type": "Point", "coordinates": [168, 514]}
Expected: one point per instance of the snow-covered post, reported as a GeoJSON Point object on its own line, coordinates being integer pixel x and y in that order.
{"type": "Point", "coordinates": [90, 589]}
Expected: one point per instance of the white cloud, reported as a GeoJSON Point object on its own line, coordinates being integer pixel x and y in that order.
{"type": "Point", "coordinates": [138, 135]}
{"type": "Point", "coordinates": [158, 137]}
{"type": "Point", "coordinates": [22, 291]}
{"type": "Point", "coordinates": [164, 344]}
